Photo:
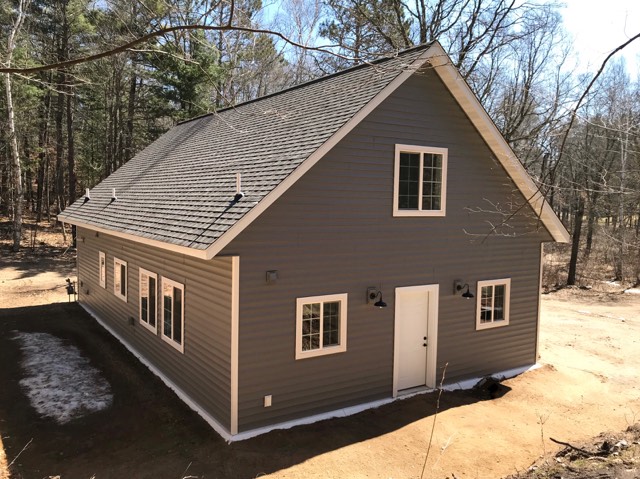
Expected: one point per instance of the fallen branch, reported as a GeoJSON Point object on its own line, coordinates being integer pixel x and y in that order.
{"type": "Point", "coordinates": [18, 455]}
{"type": "Point", "coordinates": [566, 444]}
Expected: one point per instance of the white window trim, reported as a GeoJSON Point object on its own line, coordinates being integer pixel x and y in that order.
{"type": "Point", "coordinates": [102, 273]}
{"type": "Point", "coordinates": [116, 263]}
{"type": "Point", "coordinates": [396, 175]}
{"type": "Point", "coordinates": [169, 339]}
{"type": "Point", "coordinates": [153, 329]}
{"type": "Point", "coordinates": [507, 301]}
{"type": "Point", "coordinates": [323, 351]}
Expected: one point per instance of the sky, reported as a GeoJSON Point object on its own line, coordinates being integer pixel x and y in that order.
{"type": "Point", "coordinates": [599, 26]}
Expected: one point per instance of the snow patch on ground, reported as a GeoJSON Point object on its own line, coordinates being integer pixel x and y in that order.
{"type": "Point", "coordinates": [59, 381]}
{"type": "Point", "coordinates": [632, 291]}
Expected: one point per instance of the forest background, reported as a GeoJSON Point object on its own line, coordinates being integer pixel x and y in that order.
{"type": "Point", "coordinates": [65, 128]}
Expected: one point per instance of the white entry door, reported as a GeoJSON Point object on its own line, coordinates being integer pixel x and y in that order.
{"type": "Point", "coordinates": [416, 334]}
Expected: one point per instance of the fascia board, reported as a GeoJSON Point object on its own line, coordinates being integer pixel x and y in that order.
{"type": "Point", "coordinates": [496, 142]}
{"type": "Point", "coordinates": [185, 250]}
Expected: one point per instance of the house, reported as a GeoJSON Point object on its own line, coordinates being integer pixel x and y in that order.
{"type": "Point", "coordinates": [242, 255]}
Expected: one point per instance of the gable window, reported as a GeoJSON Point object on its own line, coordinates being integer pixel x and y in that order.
{"type": "Point", "coordinates": [493, 303]}
{"type": "Point", "coordinates": [102, 268]}
{"type": "Point", "coordinates": [173, 313]}
{"type": "Point", "coordinates": [148, 299]}
{"type": "Point", "coordinates": [321, 325]}
{"type": "Point", "coordinates": [120, 278]}
{"type": "Point", "coordinates": [420, 181]}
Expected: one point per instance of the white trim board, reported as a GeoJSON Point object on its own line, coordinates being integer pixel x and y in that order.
{"type": "Point", "coordinates": [197, 253]}
{"type": "Point", "coordinates": [496, 142]}
{"type": "Point", "coordinates": [235, 334]}
{"type": "Point", "coordinates": [217, 427]}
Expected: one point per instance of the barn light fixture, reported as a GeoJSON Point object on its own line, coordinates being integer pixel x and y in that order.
{"type": "Point", "coordinates": [458, 286]}
{"type": "Point", "coordinates": [373, 294]}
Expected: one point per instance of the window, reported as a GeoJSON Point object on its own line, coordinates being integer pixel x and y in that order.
{"type": "Point", "coordinates": [148, 299]}
{"type": "Point", "coordinates": [102, 268]}
{"type": "Point", "coordinates": [173, 313]}
{"type": "Point", "coordinates": [493, 303]}
{"type": "Point", "coordinates": [321, 325]}
{"type": "Point", "coordinates": [420, 181]}
{"type": "Point", "coordinates": [120, 279]}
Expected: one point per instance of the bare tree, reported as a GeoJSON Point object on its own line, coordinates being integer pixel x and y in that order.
{"type": "Point", "coordinates": [16, 169]}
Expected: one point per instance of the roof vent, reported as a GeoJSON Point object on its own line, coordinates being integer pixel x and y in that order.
{"type": "Point", "coordinates": [239, 194]}
{"type": "Point", "coordinates": [87, 195]}
{"type": "Point", "coordinates": [113, 194]}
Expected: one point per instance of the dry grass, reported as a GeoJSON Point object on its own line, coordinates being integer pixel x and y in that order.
{"type": "Point", "coordinates": [595, 270]}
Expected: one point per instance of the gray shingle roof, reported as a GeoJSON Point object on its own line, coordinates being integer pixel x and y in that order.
{"type": "Point", "coordinates": [179, 190]}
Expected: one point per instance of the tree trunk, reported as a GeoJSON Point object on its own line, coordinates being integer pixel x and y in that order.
{"type": "Point", "coordinates": [619, 261]}
{"type": "Point", "coordinates": [129, 146]}
{"type": "Point", "coordinates": [71, 159]}
{"type": "Point", "coordinates": [575, 241]}
{"type": "Point", "coordinates": [16, 170]}
{"type": "Point", "coordinates": [59, 119]}
{"type": "Point", "coordinates": [43, 157]}
{"type": "Point", "coordinates": [28, 175]}
{"type": "Point", "coordinates": [590, 224]}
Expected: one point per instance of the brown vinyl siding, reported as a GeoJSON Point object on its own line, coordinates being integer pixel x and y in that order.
{"type": "Point", "coordinates": [333, 232]}
{"type": "Point", "coordinates": [203, 371]}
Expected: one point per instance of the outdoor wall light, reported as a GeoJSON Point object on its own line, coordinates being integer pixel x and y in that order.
{"type": "Point", "coordinates": [372, 295]}
{"type": "Point", "coordinates": [458, 286]}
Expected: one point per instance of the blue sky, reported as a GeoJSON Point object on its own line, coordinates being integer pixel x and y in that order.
{"type": "Point", "coordinates": [600, 26]}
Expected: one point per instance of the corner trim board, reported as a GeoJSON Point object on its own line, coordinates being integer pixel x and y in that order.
{"type": "Point", "coordinates": [235, 329]}
{"type": "Point", "coordinates": [537, 351]}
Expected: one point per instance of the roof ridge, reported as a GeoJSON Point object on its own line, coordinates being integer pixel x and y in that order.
{"type": "Point", "coordinates": [377, 61]}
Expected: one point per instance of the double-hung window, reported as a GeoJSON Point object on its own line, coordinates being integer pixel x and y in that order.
{"type": "Point", "coordinates": [493, 303]}
{"type": "Point", "coordinates": [102, 269]}
{"type": "Point", "coordinates": [321, 325]}
{"type": "Point", "coordinates": [420, 181]}
{"type": "Point", "coordinates": [148, 299]}
{"type": "Point", "coordinates": [120, 279]}
{"type": "Point", "coordinates": [173, 313]}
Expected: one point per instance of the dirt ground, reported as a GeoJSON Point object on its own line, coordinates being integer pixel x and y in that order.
{"type": "Point", "coordinates": [587, 384]}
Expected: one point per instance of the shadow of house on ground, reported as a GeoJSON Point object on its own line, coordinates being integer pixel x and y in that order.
{"type": "Point", "coordinates": [30, 262]}
{"type": "Point", "coordinates": [148, 432]}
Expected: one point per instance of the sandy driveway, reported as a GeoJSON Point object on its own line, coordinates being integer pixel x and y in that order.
{"type": "Point", "coordinates": [32, 279]}
{"type": "Point", "coordinates": [590, 356]}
